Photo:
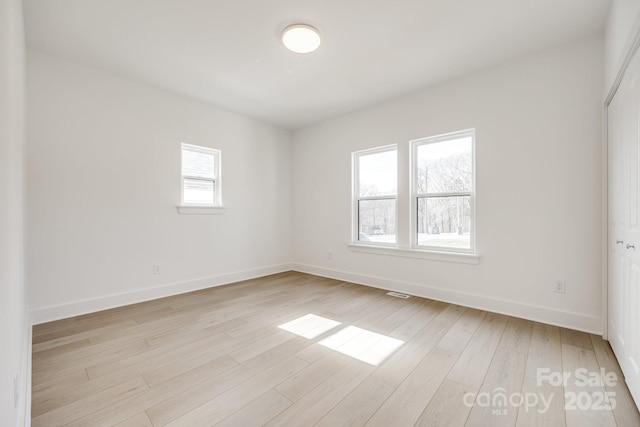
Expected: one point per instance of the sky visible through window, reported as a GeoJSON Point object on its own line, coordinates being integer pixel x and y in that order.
{"type": "Point", "coordinates": [198, 175]}
{"type": "Point", "coordinates": [451, 147]}
{"type": "Point", "coordinates": [378, 174]}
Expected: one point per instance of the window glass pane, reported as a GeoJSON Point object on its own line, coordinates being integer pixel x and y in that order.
{"type": "Point", "coordinates": [196, 163]}
{"type": "Point", "coordinates": [198, 191]}
{"type": "Point", "coordinates": [378, 174]}
{"type": "Point", "coordinates": [377, 220]}
{"type": "Point", "coordinates": [444, 167]}
{"type": "Point", "coordinates": [444, 222]}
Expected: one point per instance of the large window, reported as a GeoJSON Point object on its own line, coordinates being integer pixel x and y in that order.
{"type": "Point", "coordinates": [375, 191]}
{"type": "Point", "coordinates": [200, 176]}
{"type": "Point", "coordinates": [424, 208]}
{"type": "Point", "coordinates": [443, 192]}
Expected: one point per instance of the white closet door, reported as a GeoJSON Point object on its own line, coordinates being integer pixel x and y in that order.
{"type": "Point", "coordinates": [624, 225]}
{"type": "Point", "coordinates": [617, 251]}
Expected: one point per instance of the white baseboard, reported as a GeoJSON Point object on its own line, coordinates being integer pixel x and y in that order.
{"type": "Point", "coordinates": [76, 308]}
{"type": "Point", "coordinates": [566, 319]}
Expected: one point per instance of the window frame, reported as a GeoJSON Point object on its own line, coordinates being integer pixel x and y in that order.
{"type": "Point", "coordinates": [216, 180]}
{"type": "Point", "coordinates": [415, 195]}
{"type": "Point", "coordinates": [356, 198]}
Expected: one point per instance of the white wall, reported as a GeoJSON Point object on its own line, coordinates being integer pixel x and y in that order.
{"type": "Point", "coordinates": [14, 327]}
{"type": "Point", "coordinates": [622, 24]}
{"type": "Point", "coordinates": [104, 182]}
{"type": "Point", "coordinates": [538, 136]}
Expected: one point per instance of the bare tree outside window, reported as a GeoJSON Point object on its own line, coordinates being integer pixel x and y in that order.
{"type": "Point", "coordinates": [376, 190]}
{"type": "Point", "coordinates": [444, 191]}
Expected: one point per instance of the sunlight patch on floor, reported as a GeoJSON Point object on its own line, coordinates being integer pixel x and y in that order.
{"type": "Point", "coordinates": [309, 326]}
{"type": "Point", "coordinates": [361, 344]}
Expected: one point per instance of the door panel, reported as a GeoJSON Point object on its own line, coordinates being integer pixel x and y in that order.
{"type": "Point", "coordinates": [623, 116]}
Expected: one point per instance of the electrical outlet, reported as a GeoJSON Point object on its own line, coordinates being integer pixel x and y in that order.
{"type": "Point", "coordinates": [560, 287]}
{"type": "Point", "coordinates": [16, 391]}
{"type": "Point", "coordinates": [156, 268]}
{"type": "Point", "coordinates": [329, 255]}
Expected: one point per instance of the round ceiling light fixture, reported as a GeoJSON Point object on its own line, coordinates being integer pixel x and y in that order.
{"type": "Point", "coordinates": [301, 38]}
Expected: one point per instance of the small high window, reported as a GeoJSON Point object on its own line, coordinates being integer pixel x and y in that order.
{"type": "Point", "coordinates": [200, 176]}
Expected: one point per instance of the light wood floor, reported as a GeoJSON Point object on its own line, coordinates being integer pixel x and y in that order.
{"type": "Point", "coordinates": [218, 357]}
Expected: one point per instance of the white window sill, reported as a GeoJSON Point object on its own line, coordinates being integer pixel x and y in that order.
{"type": "Point", "coordinates": [463, 258]}
{"type": "Point", "coordinates": [201, 210]}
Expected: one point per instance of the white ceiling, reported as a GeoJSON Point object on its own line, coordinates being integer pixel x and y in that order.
{"type": "Point", "coordinates": [228, 52]}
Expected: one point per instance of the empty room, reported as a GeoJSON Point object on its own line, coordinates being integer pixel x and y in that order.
{"type": "Point", "coordinates": [305, 212]}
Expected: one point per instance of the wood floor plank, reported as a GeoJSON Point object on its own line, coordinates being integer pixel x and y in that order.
{"type": "Point", "coordinates": [52, 386]}
{"type": "Point", "coordinates": [447, 407]}
{"type": "Point", "coordinates": [313, 353]}
{"type": "Point", "coordinates": [308, 378]}
{"type": "Point", "coordinates": [140, 420]}
{"type": "Point", "coordinates": [546, 409]}
{"type": "Point", "coordinates": [87, 405]}
{"type": "Point", "coordinates": [399, 365]}
{"type": "Point", "coordinates": [151, 357]}
{"type": "Point", "coordinates": [136, 330]}
{"type": "Point", "coordinates": [223, 405]}
{"type": "Point", "coordinates": [196, 331]}
{"type": "Point", "coordinates": [86, 332]}
{"type": "Point", "coordinates": [261, 345]}
{"type": "Point", "coordinates": [315, 404]}
{"type": "Point", "coordinates": [575, 338]}
{"type": "Point", "coordinates": [87, 355]}
{"type": "Point", "coordinates": [460, 332]}
{"type": "Point", "coordinates": [471, 367]}
{"type": "Point", "coordinates": [388, 316]}
{"type": "Point", "coordinates": [408, 401]}
{"type": "Point", "coordinates": [459, 335]}
{"type": "Point", "coordinates": [505, 375]}
{"type": "Point", "coordinates": [517, 335]}
{"type": "Point", "coordinates": [61, 351]}
{"type": "Point", "coordinates": [545, 353]}
{"type": "Point", "coordinates": [45, 328]}
{"type": "Point", "coordinates": [359, 405]}
{"type": "Point", "coordinates": [545, 350]}
{"type": "Point", "coordinates": [574, 358]}
{"type": "Point", "coordinates": [43, 402]}
{"type": "Point", "coordinates": [78, 328]}
{"type": "Point", "coordinates": [42, 374]}
{"type": "Point", "coordinates": [218, 356]}
{"type": "Point", "coordinates": [274, 304]}
{"type": "Point", "coordinates": [625, 411]}
{"type": "Point", "coordinates": [258, 412]}
{"type": "Point", "coordinates": [427, 311]}
{"type": "Point", "coordinates": [121, 410]}
{"type": "Point", "coordinates": [199, 361]}
{"type": "Point", "coordinates": [185, 401]}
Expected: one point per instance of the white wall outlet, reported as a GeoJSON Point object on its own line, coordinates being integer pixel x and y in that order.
{"type": "Point", "coordinates": [329, 255]}
{"type": "Point", "coordinates": [560, 286]}
{"type": "Point", "coordinates": [16, 391]}
{"type": "Point", "coordinates": [156, 268]}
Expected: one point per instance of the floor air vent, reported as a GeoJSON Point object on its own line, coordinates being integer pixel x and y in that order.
{"type": "Point", "coordinates": [398, 295]}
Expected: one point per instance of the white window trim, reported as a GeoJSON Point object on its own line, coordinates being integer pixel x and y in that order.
{"type": "Point", "coordinates": [355, 197]}
{"type": "Point", "coordinates": [202, 208]}
{"type": "Point", "coordinates": [458, 257]}
{"type": "Point", "coordinates": [415, 195]}
{"type": "Point", "coordinates": [406, 245]}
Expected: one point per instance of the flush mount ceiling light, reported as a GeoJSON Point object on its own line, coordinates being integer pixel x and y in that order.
{"type": "Point", "coordinates": [301, 38]}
